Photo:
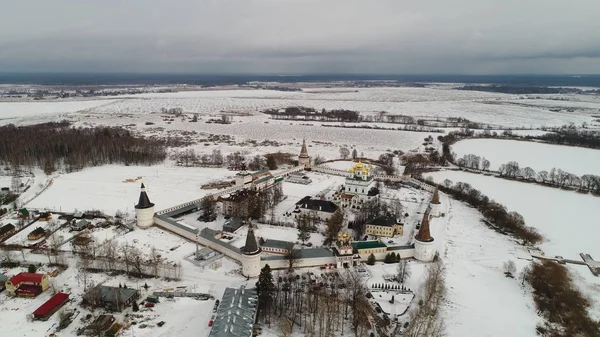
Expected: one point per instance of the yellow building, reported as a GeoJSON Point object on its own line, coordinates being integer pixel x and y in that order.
{"type": "Point", "coordinates": [384, 226]}
{"type": "Point", "coordinates": [27, 284]}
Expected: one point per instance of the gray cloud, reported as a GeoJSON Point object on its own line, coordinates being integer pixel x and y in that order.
{"type": "Point", "coordinates": [301, 36]}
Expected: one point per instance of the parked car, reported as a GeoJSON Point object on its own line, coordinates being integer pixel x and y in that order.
{"type": "Point", "coordinates": [149, 305]}
{"type": "Point", "coordinates": [161, 323]}
{"type": "Point", "coordinates": [210, 323]}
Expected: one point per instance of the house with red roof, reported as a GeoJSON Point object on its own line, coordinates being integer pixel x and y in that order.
{"type": "Point", "coordinates": [27, 284]}
{"type": "Point", "coordinates": [51, 306]}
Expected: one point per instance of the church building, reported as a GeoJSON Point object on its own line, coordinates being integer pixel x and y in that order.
{"type": "Point", "coordinates": [358, 188]}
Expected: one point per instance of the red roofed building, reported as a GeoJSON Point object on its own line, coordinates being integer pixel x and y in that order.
{"type": "Point", "coordinates": [51, 306]}
{"type": "Point", "coordinates": [27, 284]}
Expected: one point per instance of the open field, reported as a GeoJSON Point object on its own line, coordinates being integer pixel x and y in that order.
{"type": "Point", "coordinates": [538, 156]}
{"type": "Point", "coordinates": [481, 301]}
{"type": "Point", "coordinates": [564, 218]}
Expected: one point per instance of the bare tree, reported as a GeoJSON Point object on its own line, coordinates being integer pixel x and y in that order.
{"type": "Point", "coordinates": [509, 268]}
{"type": "Point", "coordinates": [344, 152]}
{"type": "Point", "coordinates": [291, 255]}
{"type": "Point", "coordinates": [403, 271]}
{"type": "Point", "coordinates": [427, 319]}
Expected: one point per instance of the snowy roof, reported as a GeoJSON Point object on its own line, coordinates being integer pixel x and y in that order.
{"type": "Point", "coordinates": [384, 220]}
{"type": "Point", "coordinates": [236, 313]}
{"type": "Point", "coordinates": [317, 205]}
{"type": "Point", "coordinates": [271, 243]}
{"type": "Point", "coordinates": [109, 294]}
{"type": "Point", "coordinates": [306, 253]}
{"type": "Point", "coordinates": [210, 234]}
{"type": "Point", "coordinates": [81, 223]}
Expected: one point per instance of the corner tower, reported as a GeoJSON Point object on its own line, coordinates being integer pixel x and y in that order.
{"type": "Point", "coordinates": [304, 158]}
{"type": "Point", "coordinates": [144, 210]}
{"type": "Point", "coordinates": [435, 203]}
{"type": "Point", "coordinates": [424, 246]}
{"type": "Point", "coordinates": [251, 253]}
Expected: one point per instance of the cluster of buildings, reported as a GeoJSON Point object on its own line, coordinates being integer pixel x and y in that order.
{"type": "Point", "coordinates": [359, 187]}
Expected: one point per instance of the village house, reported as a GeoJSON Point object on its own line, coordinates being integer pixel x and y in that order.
{"type": "Point", "coordinates": [23, 213]}
{"type": "Point", "coordinates": [46, 216]}
{"type": "Point", "coordinates": [51, 306]}
{"type": "Point", "coordinates": [27, 284]}
{"type": "Point", "coordinates": [384, 225]}
{"type": "Point", "coordinates": [323, 209]}
{"type": "Point", "coordinates": [111, 298]}
{"type": "Point", "coordinates": [6, 231]}
{"type": "Point", "coordinates": [80, 225]}
{"type": "Point", "coordinates": [36, 234]}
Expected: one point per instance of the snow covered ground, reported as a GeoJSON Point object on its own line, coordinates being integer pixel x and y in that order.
{"type": "Point", "coordinates": [11, 112]}
{"type": "Point", "coordinates": [105, 188]}
{"type": "Point", "coordinates": [481, 301]}
{"type": "Point", "coordinates": [538, 156]}
{"type": "Point", "coordinates": [564, 218]}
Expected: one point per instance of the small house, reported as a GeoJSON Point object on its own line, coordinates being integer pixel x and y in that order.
{"type": "Point", "coordinates": [46, 216]}
{"type": "Point", "coordinates": [80, 225]}
{"type": "Point", "coordinates": [6, 231]}
{"type": "Point", "coordinates": [112, 298]}
{"type": "Point", "coordinates": [23, 213]}
{"type": "Point", "coordinates": [36, 234]}
{"type": "Point", "coordinates": [27, 284]}
{"type": "Point", "coordinates": [233, 224]}
{"type": "Point", "coordinates": [51, 306]}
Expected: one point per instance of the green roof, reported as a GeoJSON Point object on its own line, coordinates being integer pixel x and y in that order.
{"type": "Point", "coordinates": [367, 244]}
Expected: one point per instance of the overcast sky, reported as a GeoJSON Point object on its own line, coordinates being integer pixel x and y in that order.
{"type": "Point", "coordinates": [302, 36]}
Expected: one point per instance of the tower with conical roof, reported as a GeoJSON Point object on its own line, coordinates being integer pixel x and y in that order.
{"type": "Point", "coordinates": [424, 245]}
{"type": "Point", "coordinates": [435, 203]}
{"type": "Point", "coordinates": [304, 158]}
{"type": "Point", "coordinates": [144, 210]}
{"type": "Point", "coordinates": [251, 253]}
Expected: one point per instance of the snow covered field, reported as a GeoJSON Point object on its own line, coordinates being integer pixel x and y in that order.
{"type": "Point", "coordinates": [104, 188]}
{"type": "Point", "coordinates": [481, 301]}
{"type": "Point", "coordinates": [17, 111]}
{"type": "Point", "coordinates": [538, 156]}
{"type": "Point", "coordinates": [564, 218]}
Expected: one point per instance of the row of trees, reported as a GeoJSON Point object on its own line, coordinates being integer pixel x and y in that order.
{"type": "Point", "coordinates": [554, 177]}
{"type": "Point", "coordinates": [110, 256]}
{"type": "Point", "coordinates": [190, 158]}
{"type": "Point", "coordinates": [294, 112]}
{"type": "Point", "coordinates": [53, 146]}
{"type": "Point", "coordinates": [325, 308]}
{"type": "Point", "coordinates": [494, 213]}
